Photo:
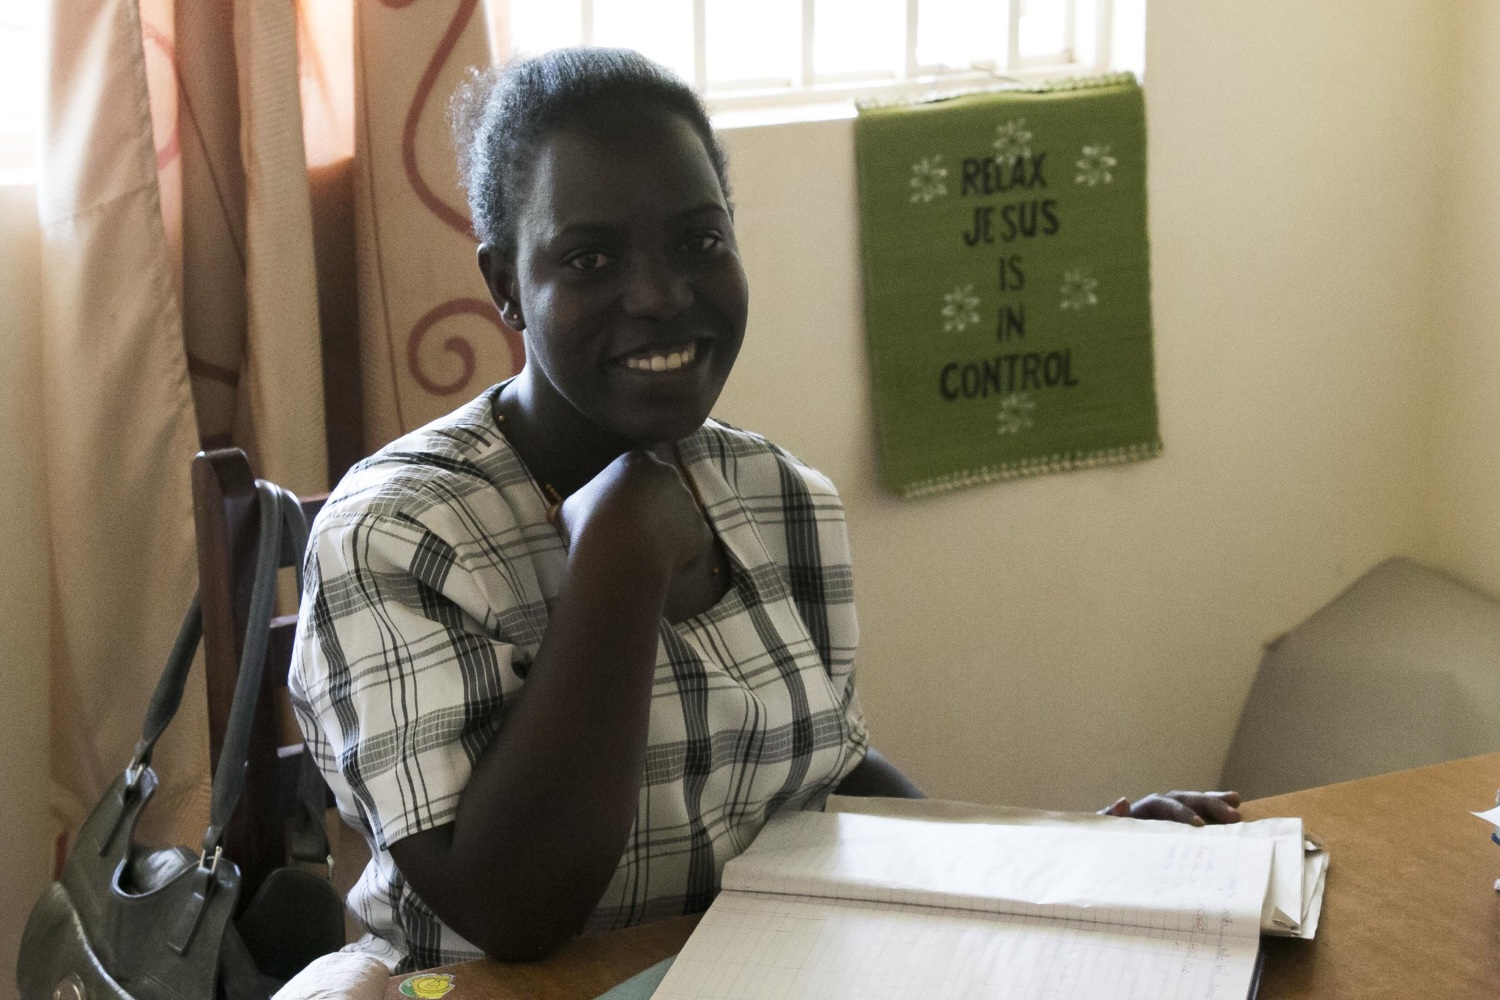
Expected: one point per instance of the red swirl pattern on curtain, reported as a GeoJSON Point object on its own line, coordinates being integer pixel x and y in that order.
{"type": "Point", "coordinates": [172, 148]}
{"type": "Point", "coordinates": [425, 86]}
{"type": "Point", "coordinates": [455, 344]}
{"type": "Point", "coordinates": [452, 217]}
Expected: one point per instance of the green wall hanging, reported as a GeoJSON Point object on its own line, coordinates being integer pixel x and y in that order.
{"type": "Point", "coordinates": [1007, 282]}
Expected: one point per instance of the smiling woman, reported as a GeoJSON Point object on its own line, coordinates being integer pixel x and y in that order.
{"type": "Point", "coordinates": [565, 650]}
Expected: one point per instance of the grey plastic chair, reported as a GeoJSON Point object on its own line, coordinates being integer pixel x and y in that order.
{"type": "Point", "coordinates": [1400, 670]}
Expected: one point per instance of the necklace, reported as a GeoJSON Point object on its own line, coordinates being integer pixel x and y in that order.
{"type": "Point", "coordinates": [552, 494]}
{"type": "Point", "coordinates": [555, 498]}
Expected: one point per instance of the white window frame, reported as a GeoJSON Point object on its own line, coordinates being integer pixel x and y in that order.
{"type": "Point", "coordinates": [912, 78]}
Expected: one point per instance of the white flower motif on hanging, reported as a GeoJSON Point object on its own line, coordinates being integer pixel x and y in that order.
{"type": "Point", "coordinates": [1015, 413]}
{"type": "Point", "coordinates": [1012, 141]}
{"type": "Point", "coordinates": [1079, 289]}
{"type": "Point", "coordinates": [927, 177]}
{"type": "Point", "coordinates": [960, 309]}
{"type": "Point", "coordinates": [1094, 166]}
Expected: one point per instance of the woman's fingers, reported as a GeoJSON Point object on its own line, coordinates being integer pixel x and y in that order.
{"type": "Point", "coordinates": [1210, 807]}
{"type": "Point", "coordinates": [1191, 808]}
{"type": "Point", "coordinates": [1214, 807]}
{"type": "Point", "coordinates": [1165, 807]}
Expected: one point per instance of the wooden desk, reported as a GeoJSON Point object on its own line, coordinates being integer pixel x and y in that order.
{"type": "Point", "coordinates": [1410, 909]}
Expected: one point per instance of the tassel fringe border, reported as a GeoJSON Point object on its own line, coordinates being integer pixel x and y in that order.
{"type": "Point", "coordinates": [1002, 85]}
{"type": "Point", "coordinates": [1040, 466]}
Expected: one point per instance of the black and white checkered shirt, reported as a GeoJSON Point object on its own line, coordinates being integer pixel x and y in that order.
{"type": "Point", "coordinates": [429, 577]}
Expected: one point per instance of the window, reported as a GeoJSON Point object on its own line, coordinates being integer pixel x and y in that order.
{"type": "Point", "coordinates": [22, 50]}
{"type": "Point", "coordinates": [743, 54]}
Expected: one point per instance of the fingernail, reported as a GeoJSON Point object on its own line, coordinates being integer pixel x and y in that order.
{"type": "Point", "coordinates": [1197, 820]}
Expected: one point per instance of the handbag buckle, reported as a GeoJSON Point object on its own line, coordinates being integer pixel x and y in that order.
{"type": "Point", "coordinates": [204, 862]}
{"type": "Point", "coordinates": [70, 987]}
{"type": "Point", "coordinates": [140, 759]}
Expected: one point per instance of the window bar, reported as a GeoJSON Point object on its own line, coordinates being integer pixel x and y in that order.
{"type": "Point", "coordinates": [1013, 35]}
{"type": "Point", "coordinates": [1104, 44]}
{"type": "Point", "coordinates": [700, 45]}
{"type": "Point", "coordinates": [808, 20]}
{"type": "Point", "coordinates": [1070, 29]}
{"type": "Point", "coordinates": [911, 70]}
{"type": "Point", "coordinates": [586, 21]}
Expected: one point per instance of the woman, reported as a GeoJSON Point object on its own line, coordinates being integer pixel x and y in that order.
{"type": "Point", "coordinates": [565, 650]}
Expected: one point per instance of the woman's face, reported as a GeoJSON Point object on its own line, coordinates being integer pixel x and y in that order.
{"type": "Point", "coordinates": [627, 277]}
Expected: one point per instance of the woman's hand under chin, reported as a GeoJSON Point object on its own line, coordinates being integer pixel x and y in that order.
{"type": "Point", "coordinates": [1192, 808]}
{"type": "Point", "coordinates": [639, 501]}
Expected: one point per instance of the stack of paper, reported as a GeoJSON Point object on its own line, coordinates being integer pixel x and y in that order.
{"type": "Point", "coordinates": [1299, 863]}
{"type": "Point", "coordinates": [833, 905]}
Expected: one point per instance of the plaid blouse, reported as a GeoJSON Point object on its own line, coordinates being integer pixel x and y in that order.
{"type": "Point", "coordinates": [429, 576]}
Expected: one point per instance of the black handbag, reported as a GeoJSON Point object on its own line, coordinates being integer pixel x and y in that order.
{"type": "Point", "coordinates": [126, 922]}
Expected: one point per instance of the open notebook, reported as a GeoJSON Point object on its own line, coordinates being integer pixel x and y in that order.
{"type": "Point", "coordinates": [834, 905]}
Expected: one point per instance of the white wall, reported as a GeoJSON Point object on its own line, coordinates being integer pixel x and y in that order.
{"type": "Point", "coordinates": [25, 823]}
{"type": "Point", "coordinates": [1062, 640]}
{"type": "Point", "coordinates": [1466, 454]}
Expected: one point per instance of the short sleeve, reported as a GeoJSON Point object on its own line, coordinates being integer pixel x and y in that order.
{"type": "Point", "coordinates": [844, 639]}
{"type": "Point", "coordinates": [397, 681]}
{"type": "Point", "coordinates": [807, 534]}
{"type": "Point", "coordinates": [829, 577]}
{"type": "Point", "coordinates": [808, 537]}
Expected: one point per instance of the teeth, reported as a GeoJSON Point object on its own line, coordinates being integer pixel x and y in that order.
{"type": "Point", "coordinates": [663, 361]}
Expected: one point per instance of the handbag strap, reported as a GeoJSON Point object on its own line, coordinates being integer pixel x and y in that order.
{"type": "Point", "coordinates": [168, 694]}
{"type": "Point", "coordinates": [283, 538]}
{"type": "Point", "coordinates": [280, 517]}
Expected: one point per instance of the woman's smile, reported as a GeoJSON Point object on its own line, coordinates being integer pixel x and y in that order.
{"type": "Point", "coordinates": [657, 360]}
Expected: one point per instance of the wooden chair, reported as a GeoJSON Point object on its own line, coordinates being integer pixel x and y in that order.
{"type": "Point", "coordinates": [226, 520]}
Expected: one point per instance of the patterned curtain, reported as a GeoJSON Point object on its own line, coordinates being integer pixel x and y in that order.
{"type": "Point", "coordinates": [429, 336]}
{"type": "Point", "coordinates": [117, 412]}
{"type": "Point", "coordinates": [252, 234]}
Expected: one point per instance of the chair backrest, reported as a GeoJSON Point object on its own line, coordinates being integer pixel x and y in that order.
{"type": "Point", "coordinates": [1398, 671]}
{"type": "Point", "coordinates": [226, 520]}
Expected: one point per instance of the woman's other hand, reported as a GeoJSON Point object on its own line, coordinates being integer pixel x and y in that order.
{"type": "Point", "coordinates": [641, 503]}
{"type": "Point", "coordinates": [1192, 808]}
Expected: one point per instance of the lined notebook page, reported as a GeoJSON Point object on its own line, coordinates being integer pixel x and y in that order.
{"type": "Point", "coordinates": [764, 947]}
{"type": "Point", "coordinates": [844, 905]}
{"type": "Point", "coordinates": [1167, 881]}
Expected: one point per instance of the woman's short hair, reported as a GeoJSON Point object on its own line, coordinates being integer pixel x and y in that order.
{"type": "Point", "coordinates": [501, 117]}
